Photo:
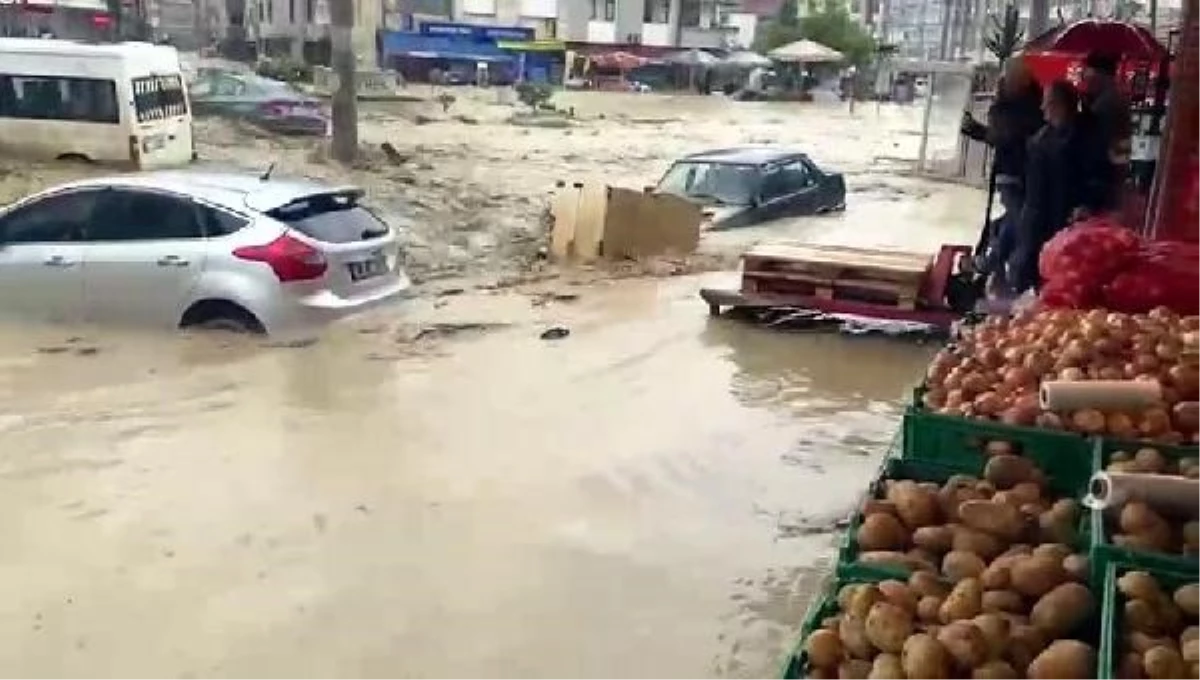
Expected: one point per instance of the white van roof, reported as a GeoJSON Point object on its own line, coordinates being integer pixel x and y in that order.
{"type": "Point", "coordinates": [79, 48]}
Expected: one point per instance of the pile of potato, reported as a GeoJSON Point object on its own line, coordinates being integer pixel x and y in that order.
{"type": "Point", "coordinates": [964, 525]}
{"type": "Point", "coordinates": [922, 629]}
{"type": "Point", "coordinates": [1159, 633]}
{"type": "Point", "coordinates": [1139, 526]}
{"type": "Point", "coordinates": [994, 591]}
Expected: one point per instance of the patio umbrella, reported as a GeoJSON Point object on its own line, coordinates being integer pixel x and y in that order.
{"type": "Point", "coordinates": [692, 58]}
{"type": "Point", "coordinates": [1119, 38]}
{"type": "Point", "coordinates": [806, 52]}
{"type": "Point", "coordinates": [619, 61]}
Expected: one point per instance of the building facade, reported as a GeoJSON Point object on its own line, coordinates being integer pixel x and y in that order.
{"type": "Point", "coordinates": [681, 24]}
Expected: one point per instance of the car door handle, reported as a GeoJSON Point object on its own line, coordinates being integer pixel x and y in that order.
{"type": "Point", "coordinates": [172, 261]}
{"type": "Point", "coordinates": [58, 261]}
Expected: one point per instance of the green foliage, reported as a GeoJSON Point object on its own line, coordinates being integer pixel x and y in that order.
{"type": "Point", "coordinates": [534, 95]}
{"type": "Point", "coordinates": [827, 22]}
{"type": "Point", "coordinates": [1004, 36]}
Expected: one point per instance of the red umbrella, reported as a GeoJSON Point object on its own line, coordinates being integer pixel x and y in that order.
{"type": "Point", "coordinates": [1119, 38]}
{"type": "Point", "coordinates": [618, 61]}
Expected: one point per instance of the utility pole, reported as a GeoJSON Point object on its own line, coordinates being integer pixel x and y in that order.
{"type": "Point", "coordinates": [345, 96]}
{"type": "Point", "coordinates": [1039, 18]}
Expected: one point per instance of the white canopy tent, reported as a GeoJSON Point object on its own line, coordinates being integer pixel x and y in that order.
{"type": "Point", "coordinates": [806, 52]}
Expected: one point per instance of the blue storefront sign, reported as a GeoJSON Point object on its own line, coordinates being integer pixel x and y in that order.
{"type": "Point", "coordinates": [476, 32]}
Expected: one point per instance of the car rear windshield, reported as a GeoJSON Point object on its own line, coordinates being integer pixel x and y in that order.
{"type": "Point", "coordinates": [332, 218]}
{"type": "Point", "coordinates": [159, 97]}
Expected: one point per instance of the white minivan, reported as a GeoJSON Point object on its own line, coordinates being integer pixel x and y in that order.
{"type": "Point", "coordinates": [123, 103]}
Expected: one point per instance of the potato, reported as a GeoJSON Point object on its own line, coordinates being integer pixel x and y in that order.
{"type": "Point", "coordinates": [888, 626]}
{"type": "Point", "coordinates": [882, 531]}
{"type": "Point", "coordinates": [1150, 460]}
{"type": "Point", "coordinates": [1163, 661]}
{"type": "Point", "coordinates": [1144, 528]}
{"type": "Point", "coordinates": [1189, 633]}
{"type": "Point", "coordinates": [965, 643]}
{"type": "Point", "coordinates": [846, 594]}
{"type": "Point", "coordinates": [862, 599]}
{"type": "Point", "coordinates": [1077, 567]}
{"type": "Point", "coordinates": [1191, 651]}
{"type": "Point", "coordinates": [916, 506]}
{"type": "Point", "coordinates": [876, 505]}
{"type": "Point", "coordinates": [899, 594]}
{"type": "Point", "coordinates": [1187, 598]}
{"type": "Point", "coordinates": [924, 657]}
{"type": "Point", "coordinates": [824, 649]}
{"type": "Point", "coordinates": [923, 556]}
{"type": "Point", "coordinates": [1130, 666]}
{"type": "Point", "coordinates": [1142, 616]}
{"type": "Point", "coordinates": [1064, 659]}
{"type": "Point", "coordinates": [1059, 523]}
{"type": "Point", "coordinates": [963, 602]}
{"type": "Point", "coordinates": [893, 558]}
{"type": "Point", "coordinates": [954, 493]}
{"type": "Point", "coordinates": [975, 541]}
{"type": "Point", "coordinates": [998, 447]}
{"type": "Point", "coordinates": [853, 633]}
{"type": "Point", "coordinates": [1056, 551]}
{"type": "Point", "coordinates": [821, 674]}
{"type": "Point", "coordinates": [1142, 643]}
{"type": "Point", "coordinates": [831, 622]}
{"type": "Point", "coordinates": [924, 583]}
{"type": "Point", "coordinates": [1006, 471]}
{"type": "Point", "coordinates": [995, 630]}
{"type": "Point", "coordinates": [886, 666]}
{"type": "Point", "coordinates": [1063, 609]}
{"type": "Point", "coordinates": [938, 539]}
{"type": "Point", "coordinates": [994, 670]}
{"type": "Point", "coordinates": [998, 601]}
{"type": "Point", "coordinates": [928, 608]}
{"type": "Point", "coordinates": [957, 565]}
{"type": "Point", "coordinates": [998, 519]}
{"type": "Point", "coordinates": [1037, 575]}
{"type": "Point", "coordinates": [1138, 585]}
{"type": "Point", "coordinates": [854, 668]}
{"type": "Point", "coordinates": [1025, 492]}
{"type": "Point", "coordinates": [1025, 644]}
{"type": "Point", "coordinates": [997, 575]}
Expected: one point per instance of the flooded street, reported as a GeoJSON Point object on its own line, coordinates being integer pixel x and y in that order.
{"type": "Point", "coordinates": [434, 489]}
{"type": "Point", "coordinates": [650, 496]}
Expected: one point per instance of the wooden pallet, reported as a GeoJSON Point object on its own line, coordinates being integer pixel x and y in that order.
{"type": "Point", "coordinates": [868, 276]}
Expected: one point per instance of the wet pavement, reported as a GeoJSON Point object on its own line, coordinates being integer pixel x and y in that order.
{"type": "Point", "coordinates": [652, 495]}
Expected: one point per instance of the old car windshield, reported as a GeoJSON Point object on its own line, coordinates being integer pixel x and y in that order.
{"type": "Point", "coordinates": [723, 183]}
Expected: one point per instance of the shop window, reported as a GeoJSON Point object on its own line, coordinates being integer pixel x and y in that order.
{"type": "Point", "coordinates": [657, 12]}
{"type": "Point", "coordinates": [91, 100]}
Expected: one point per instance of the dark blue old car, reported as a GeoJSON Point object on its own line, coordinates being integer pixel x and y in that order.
{"type": "Point", "coordinates": [746, 185]}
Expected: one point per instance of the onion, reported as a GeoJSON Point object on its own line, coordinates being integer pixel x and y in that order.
{"type": "Point", "coordinates": [1153, 423]}
{"type": "Point", "coordinates": [1072, 373]}
{"type": "Point", "coordinates": [1120, 425]}
{"type": "Point", "coordinates": [1185, 416]}
{"type": "Point", "coordinates": [1049, 420]}
{"type": "Point", "coordinates": [1088, 421]}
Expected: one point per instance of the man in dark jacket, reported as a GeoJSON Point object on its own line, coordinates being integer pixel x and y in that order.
{"type": "Point", "coordinates": [1012, 119]}
{"type": "Point", "coordinates": [1108, 126]}
{"type": "Point", "coordinates": [1055, 181]}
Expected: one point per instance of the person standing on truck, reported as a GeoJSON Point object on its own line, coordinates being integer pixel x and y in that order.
{"type": "Point", "coordinates": [1108, 126]}
{"type": "Point", "coordinates": [1055, 181]}
{"type": "Point", "coordinates": [1012, 119]}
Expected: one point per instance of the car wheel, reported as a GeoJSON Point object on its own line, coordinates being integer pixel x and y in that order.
{"type": "Point", "coordinates": [221, 316]}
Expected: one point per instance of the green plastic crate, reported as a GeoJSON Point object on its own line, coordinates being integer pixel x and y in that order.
{"type": "Point", "coordinates": [1065, 457]}
{"type": "Point", "coordinates": [1113, 605]}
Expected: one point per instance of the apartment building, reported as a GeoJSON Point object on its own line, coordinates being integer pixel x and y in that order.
{"type": "Point", "coordinates": [682, 24]}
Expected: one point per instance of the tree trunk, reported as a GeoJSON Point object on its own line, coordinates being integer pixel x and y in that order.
{"type": "Point", "coordinates": [345, 99]}
{"type": "Point", "coordinates": [1039, 18]}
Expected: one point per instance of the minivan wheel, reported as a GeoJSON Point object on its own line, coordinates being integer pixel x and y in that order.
{"type": "Point", "coordinates": [221, 316]}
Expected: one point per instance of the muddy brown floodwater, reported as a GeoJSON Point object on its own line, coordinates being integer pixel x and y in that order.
{"type": "Point", "coordinates": [653, 495]}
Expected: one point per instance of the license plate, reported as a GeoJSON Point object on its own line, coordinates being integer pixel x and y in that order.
{"type": "Point", "coordinates": [365, 269]}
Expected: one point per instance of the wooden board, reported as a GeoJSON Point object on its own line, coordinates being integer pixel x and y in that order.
{"type": "Point", "coordinates": [867, 291]}
{"type": "Point", "coordinates": [835, 262]}
{"type": "Point", "coordinates": [640, 225]}
{"type": "Point", "coordinates": [589, 221]}
{"type": "Point", "coordinates": [564, 208]}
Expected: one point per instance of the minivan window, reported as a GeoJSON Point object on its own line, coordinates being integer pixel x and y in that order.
{"type": "Point", "coordinates": [54, 219]}
{"type": "Point", "coordinates": [332, 218]}
{"type": "Point", "coordinates": [91, 100]}
{"type": "Point", "coordinates": [143, 216]}
{"type": "Point", "coordinates": [159, 97]}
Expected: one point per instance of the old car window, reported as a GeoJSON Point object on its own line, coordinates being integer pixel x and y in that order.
{"type": "Point", "coordinates": [332, 218]}
{"type": "Point", "coordinates": [720, 182]}
{"type": "Point", "coordinates": [775, 184]}
{"type": "Point", "coordinates": [143, 216]}
{"type": "Point", "coordinates": [91, 100]}
{"type": "Point", "coordinates": [53, 219]}
{"type": "Point", "coordinates": [796, 175]}
{"type": "Point", "coordinates": [218, 222]}
{"type": "Point", "coordinates": [228, 86]}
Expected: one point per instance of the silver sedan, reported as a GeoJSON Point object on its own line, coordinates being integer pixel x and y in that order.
{"type": "Point", "coordinates": [189, 249]}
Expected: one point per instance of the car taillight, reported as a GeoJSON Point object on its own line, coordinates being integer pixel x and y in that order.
{"type": "Point", "coordinates": [291, 260]}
